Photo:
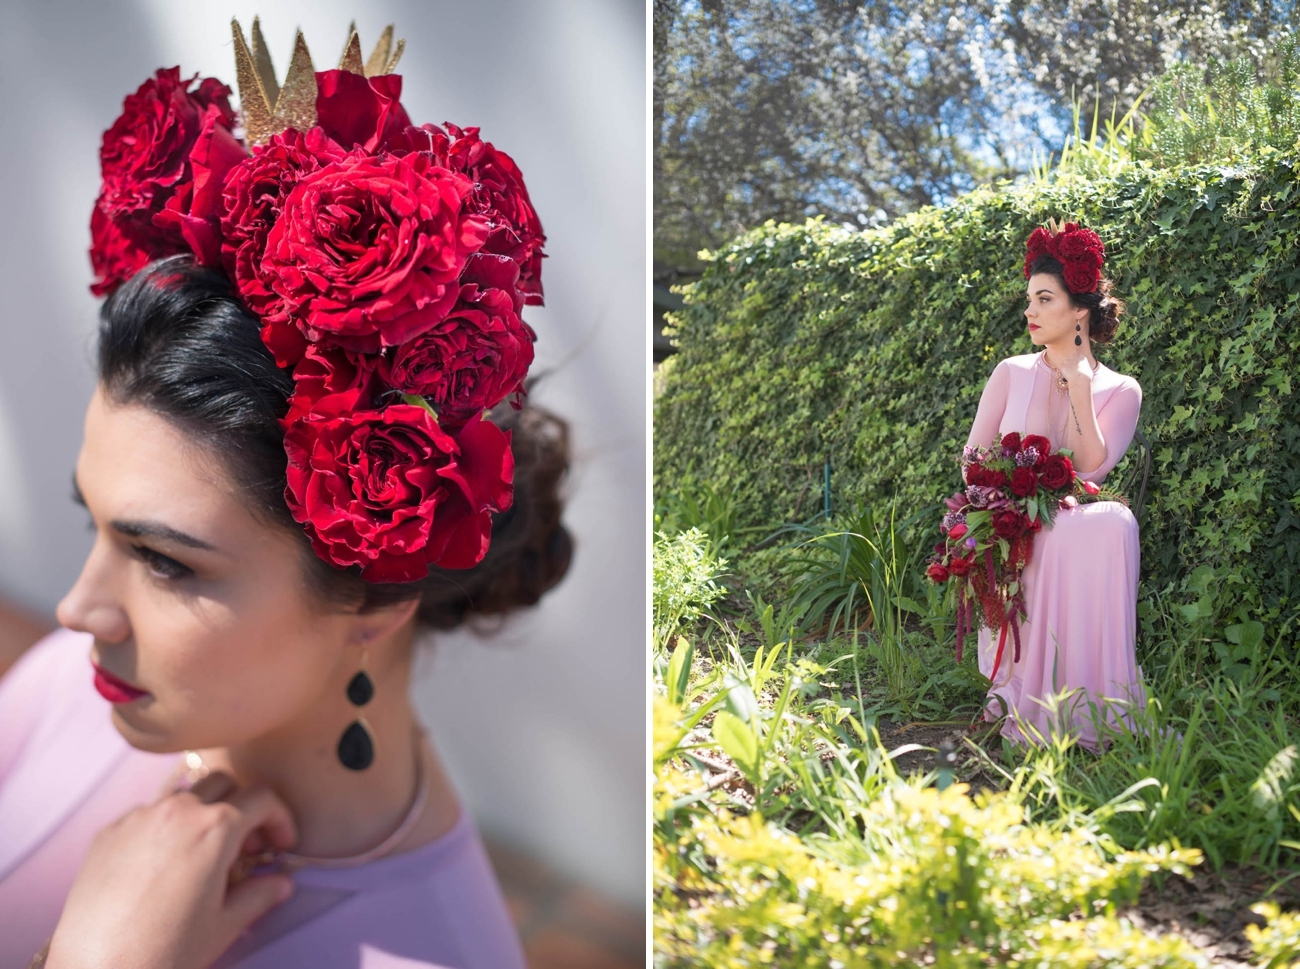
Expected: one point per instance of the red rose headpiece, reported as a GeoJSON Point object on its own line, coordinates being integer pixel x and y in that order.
{"type": "Point", "coordinates": [388, 265]}
{"type": "Point", "coordinates": [1079, 251]}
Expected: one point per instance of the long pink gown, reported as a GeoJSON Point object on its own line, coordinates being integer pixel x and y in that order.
{"type": "Point", "coordinates": [1081, 582]}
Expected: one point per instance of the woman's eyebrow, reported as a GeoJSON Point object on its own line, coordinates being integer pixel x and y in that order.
{"type": "Point", "coordinates": [151, 529]}
{"type": "Point", "coordinates": [146, 529]}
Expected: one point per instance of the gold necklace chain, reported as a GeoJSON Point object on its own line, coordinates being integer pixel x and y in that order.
{"type": "Point", "coordinates": [1063, 385]}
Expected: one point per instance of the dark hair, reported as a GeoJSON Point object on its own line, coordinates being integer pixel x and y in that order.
{"type": "Point", "coordinates": [177, 340]}
{"type": "Point", "coordinates": [1103, 309]}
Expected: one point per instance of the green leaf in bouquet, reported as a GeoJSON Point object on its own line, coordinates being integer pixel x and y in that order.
{"type": "Point", "coordinates": [1031, 505]}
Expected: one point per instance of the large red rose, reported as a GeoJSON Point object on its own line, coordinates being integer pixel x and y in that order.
{"type": "Point", "coordinates": [367, 251]}
{"type": "Point", "coordinates": [1024, 482]}
{"type": "Point", "coordinates": [1057, 472]}
{"type": "Point", "coordinates": [474, 358]}
{"type": "Point", "coordinates": [390, 491]}
{"type": "Point", "coordinates": [937, 572]}
{"type": "Point", "coordinates": [1011, 442]}
{"type": "Point", "coordinates": [254, 194]}
{"type": "Point", "coordinates": [360, 112]}
{"type": "Point", "coordinates": [323, 371]}
{"type": "Point", "coordinates": [1010, 523]}
{"type": "Point", "coordinates": [499, 195]}
{"type": "Point", "coordinates": [145, 160]}
{"type": "Point", "coordinates": [1040, 444]}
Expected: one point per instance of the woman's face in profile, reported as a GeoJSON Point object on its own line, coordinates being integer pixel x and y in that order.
{"type": "Point", "coordinates": [203, 626]}
{"type": "Point", "coordinates": [1049, 313]}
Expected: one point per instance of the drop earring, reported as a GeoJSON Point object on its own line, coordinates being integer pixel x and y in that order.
{"type": "Point", "coordinates": [356, 748]}
{"type": "Point", "coordinates": [1078, 340]}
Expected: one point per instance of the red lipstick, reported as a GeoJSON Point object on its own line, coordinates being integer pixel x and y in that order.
{"type": "Point", "coordinates": [115, 690]}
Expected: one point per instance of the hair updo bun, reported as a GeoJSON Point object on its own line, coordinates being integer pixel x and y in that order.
{"type": "Point", "coordinates": [1104, 310]}
{"type": "Point", "coordinates": [177, 340]}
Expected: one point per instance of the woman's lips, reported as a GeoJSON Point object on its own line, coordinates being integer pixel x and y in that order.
{"type": "Point", "coordinates": [1033, 326]}
{"type": "Point", "coordinates": [114, 690]}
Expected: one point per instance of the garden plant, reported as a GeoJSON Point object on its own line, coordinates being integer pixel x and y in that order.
{"type": "Point", "coordinates": [819, 799]}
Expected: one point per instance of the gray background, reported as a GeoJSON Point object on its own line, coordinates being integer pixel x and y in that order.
{"type": "Point", "coordinates": [543, 724]}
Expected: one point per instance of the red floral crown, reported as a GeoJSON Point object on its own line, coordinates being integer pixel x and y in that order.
{"type": "Point", "coordinates": [1079, 251]}
{"type": "Point", "coordinates": [388, 265]}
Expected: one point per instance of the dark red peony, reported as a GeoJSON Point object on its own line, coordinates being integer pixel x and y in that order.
{"type": "Point", "coordinates": [960, 566]}
{"type": "Point", "coordinates": [255, 192]}
{"type": "Point", "coordinates": [1010, 523]}
{"type": "Point", "coordinates": [1038, 244]}
{"type": "Point", "coordinates": [147, 161]}
{"type": "Point", "coordinates": [1024, 482]}
{"type": "Point", "coordinates": [992, 478]}
{"type": "Point", "coordinates": [390, 491]}
{"type": "Point", "coordinates": [361, 112]}
{"type": "Point", "coordinates": [1011, 442]}
{"type": "Point", "coordinates": [476, 357]}
{"type": "Point", "coordinates": [937, 572]}
{"type": "Point", "coordinates": [1040, 444]}
{"type": "Point", "coordinates": [367, 251]}
{"type": "Point", "coordinates": [1057, 472]}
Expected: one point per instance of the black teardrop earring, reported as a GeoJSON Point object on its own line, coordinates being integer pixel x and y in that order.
{"type": "Point", "coordinates": [1078, 340]}
{"type": "Point", "coordinates": [357, 747]}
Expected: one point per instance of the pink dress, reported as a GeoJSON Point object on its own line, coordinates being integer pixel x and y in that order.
{"type": "Point", "coordinates": [1081, 582]}
{"type": "Point", "coordinates": [65, 772]}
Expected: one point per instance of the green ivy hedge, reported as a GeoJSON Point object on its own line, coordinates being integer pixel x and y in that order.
{"type": "Point", "coordinates": [802, 342]}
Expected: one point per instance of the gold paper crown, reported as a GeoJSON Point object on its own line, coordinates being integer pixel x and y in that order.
{"type": "Point", "coordinates": [268, 107]}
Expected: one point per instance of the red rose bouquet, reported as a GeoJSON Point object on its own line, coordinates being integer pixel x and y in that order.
{"type": "Point", "coordinates": [1012, 491]}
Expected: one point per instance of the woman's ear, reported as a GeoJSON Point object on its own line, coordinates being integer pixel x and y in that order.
{"type": "Point", "coordinates": [374, 624]}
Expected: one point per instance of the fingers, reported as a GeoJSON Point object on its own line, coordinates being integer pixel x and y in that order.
{"type": "Point", "coordinates": [213, 787]}
{"type": "Point", "coordinates": [260, 809]}
{"type": "Point", "coordinates": [250, 900]}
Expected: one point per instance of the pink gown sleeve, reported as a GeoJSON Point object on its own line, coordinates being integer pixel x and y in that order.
{"type": "Point", "coordinates": [1118, 419]}
{"type": "Point", "coordinates": [993, 402]}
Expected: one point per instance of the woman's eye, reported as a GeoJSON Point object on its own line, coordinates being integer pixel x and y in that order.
{"type": "Point", "coordinates": [165, 567]}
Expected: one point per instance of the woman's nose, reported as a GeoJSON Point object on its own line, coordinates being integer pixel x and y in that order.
{"type": "Point", "coordinates": [92, 605]}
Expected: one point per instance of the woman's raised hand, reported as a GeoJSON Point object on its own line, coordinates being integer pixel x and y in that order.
{"type": "Point", "coordinates": [154, 891]}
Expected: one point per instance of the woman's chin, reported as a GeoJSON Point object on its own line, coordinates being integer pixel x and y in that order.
{"type": "Point", "coordinates": [1036, 337]}
{"type": "Point", "coordinates": [142, 733]}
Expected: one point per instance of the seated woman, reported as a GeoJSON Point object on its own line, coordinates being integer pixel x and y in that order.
{"type": "Point", "coordinates": [1080, 586]}
{"type": "Point", "coordinates": [282, 499]}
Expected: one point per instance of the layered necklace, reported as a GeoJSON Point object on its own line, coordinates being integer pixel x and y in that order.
{"type": "Point", "coordinates": [1061, 386]}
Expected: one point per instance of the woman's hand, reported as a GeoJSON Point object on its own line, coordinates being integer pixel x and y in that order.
{"type": "Point", "coordinates": [153, 892]}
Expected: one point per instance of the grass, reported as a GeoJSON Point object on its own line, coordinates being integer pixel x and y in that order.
{"type": "Point", "coordinates": [774, 704]}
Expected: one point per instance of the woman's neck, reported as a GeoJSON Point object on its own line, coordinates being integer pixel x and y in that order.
{"type": "Point", "coordinates": [1055, 353]}
{"type": "Point", "coordinates": [342, 812]}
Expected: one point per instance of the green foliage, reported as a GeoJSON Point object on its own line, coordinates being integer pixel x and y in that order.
{"type": "Point", "coordinates": [1277, 944]}
{"type": "Point", "coordinates": [685, 568]}
{"type": "Point", "coordinates": [873, 347]}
